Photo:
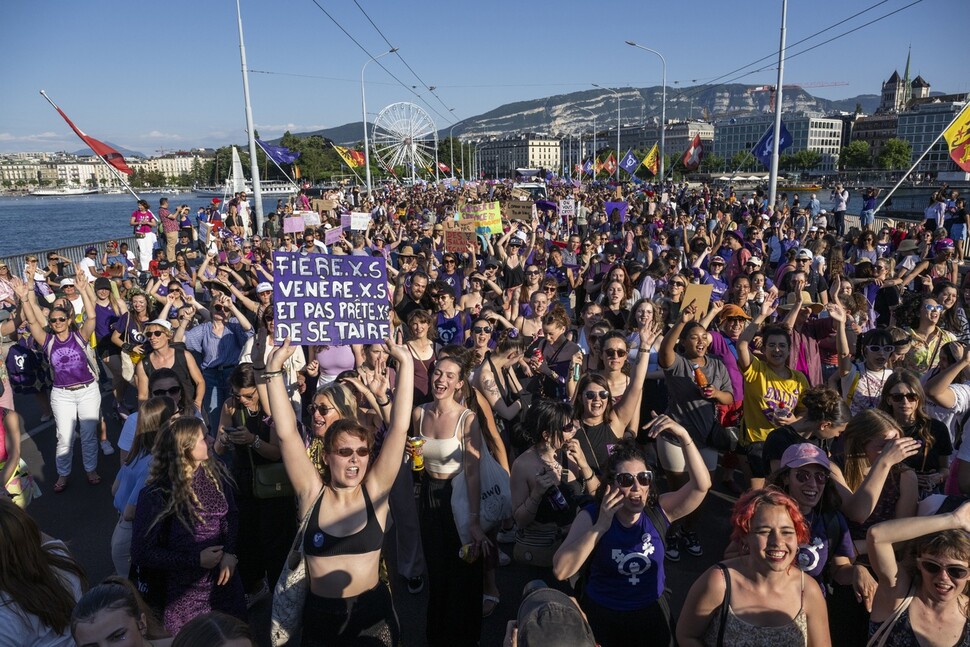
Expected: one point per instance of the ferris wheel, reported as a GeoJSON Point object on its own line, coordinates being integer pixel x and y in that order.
{"type": "Point", "coordinates": [404, 135]}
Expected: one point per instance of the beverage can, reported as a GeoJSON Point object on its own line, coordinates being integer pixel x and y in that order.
{"type": "Point", "coordinates": [465, 553]}
{"type": "Point", "coordinates": [417, 460]}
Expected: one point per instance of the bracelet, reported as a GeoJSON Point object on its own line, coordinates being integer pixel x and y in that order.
{"type": "Point", "coordinates": [268, 376]}
{"type": "Point", "coordinates": [383, 404]}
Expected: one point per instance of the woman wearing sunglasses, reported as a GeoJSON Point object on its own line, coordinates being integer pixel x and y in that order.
{"type": "Point", "coordinates": [903, 398]}
{"type": "Point", "coordinates": [861, 378]}
{"type": "Point", "coordinates": [768, 601]}
{"type": "Point", "coordinates": [622, 537]}
{"type": "Point", "coordinates": [75, 397]}
{"type": "Point", "coordinates": [923, 599]}
{"type": "Point", "coordinates": [161, 354]}
{"type": "Point", "coordinates": [347, 603]}
{"type": "Point", "coordinates": [927, 336]}
{"type": "Point", "coordinates": [602, 423]}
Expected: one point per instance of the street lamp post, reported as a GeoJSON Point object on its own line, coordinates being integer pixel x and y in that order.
{"type": "Point", "coordinates": [363, 107]}
{"type": "Point", "coordinates": [617, 95]}
{"type": "Point", "coordinates": [663, 103]}
{"type": "Point", "coordinates": [451, 145]}
{"type": "Point", "coordinates": [593, 115]}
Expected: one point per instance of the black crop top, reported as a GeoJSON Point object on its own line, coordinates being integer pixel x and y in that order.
{"type": "Point", "coordinates": [320, 544]}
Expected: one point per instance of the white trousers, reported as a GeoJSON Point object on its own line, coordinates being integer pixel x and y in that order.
{"type": "Point", "coordinates": [121, 547]}
{"type": "Point", "coordinates": [145, 247]}
{"type": "Point", "coordinates": [71, 406]}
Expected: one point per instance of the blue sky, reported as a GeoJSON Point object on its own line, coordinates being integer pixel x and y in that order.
{"type": "Point", "coordinates": [166, 74]}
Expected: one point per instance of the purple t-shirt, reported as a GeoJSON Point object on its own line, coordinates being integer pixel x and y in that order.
{"type": "Point", "coordinates": [813, 557]}
{"type": "Point", "coordinates": [69, 364]}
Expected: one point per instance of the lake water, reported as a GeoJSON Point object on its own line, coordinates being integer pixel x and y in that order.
{"type": "Point", "coordinates": [34, 224]}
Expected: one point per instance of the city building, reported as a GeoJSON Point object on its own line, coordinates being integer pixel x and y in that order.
{"type": "Point", "coordinates": [924, 123]}
{"type": "Point", "coordinates": [875, 130]}
{"type": "Point", "coordinates": [500, 158]}
{"type": "Point", "coordinates": [820, 134]}
{"type": "Point", "coordinates": [680, 135]}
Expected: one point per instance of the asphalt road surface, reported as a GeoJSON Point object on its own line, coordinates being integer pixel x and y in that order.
{"type": "Point", "coordinates": [84, 518]}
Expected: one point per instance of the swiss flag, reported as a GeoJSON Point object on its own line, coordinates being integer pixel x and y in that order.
{"type": "Point", "coordinates": [443, 167]}
{"type": "Point", "coordinates": [610, 164]}
{"type": "Point", "coordinates": [694, 154]}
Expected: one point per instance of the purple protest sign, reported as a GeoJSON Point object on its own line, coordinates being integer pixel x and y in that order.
{"type": "Point", "coordinates": [333, 235]}
{"type": "Point", "coordinates": [293, 225]}
{"type": "Point", "coordinates": [330, 300]}
{"type": "Point", "coordinates": [620, 206]}
{"type": "Point", "coordinates": [345, 221]}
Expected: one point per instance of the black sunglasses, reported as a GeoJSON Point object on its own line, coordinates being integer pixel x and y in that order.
{"type": "Point", "coordinates": [154, 333]}
{"type": "Point", "coordinates": [953, 572]}
{"type": "Point", "coordinates": [347, 452]}
{"type": "Point", "coordinates": [625, 479]}
{"type": "Point", "coordinates": [171, 392]}
{"type": "Point", "coordinates": [482, 329]}
{"type": "Point", "coordinates": [592, 394]}
{"type": "Point", "coordinates": [899, 397]}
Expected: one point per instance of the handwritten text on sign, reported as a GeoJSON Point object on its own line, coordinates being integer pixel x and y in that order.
{"type": "Point", "coordinates": [330, 300]}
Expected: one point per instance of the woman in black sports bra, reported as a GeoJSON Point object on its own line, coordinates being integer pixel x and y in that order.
{"type": "Point", "coordinates": [347, 505]}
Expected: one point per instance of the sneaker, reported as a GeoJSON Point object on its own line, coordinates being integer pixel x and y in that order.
{"type": "Point", "coordinates": [106, 447]}
{"type": "Point", "coordinates": [692, 545]}
{"type": "Point", "coordinates": [672, 551]}
{"type": "Point", "coordinates": [507, 536]}
{"type": "Point", "coordinates": [253, 598]}
{"type": "Point", "coordinates": [416, 584]}
{"type": "Point", "coordinates": [503, 559]}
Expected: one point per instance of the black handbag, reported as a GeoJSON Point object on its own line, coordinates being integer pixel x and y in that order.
{"type": "Point", "coordinates": [270, 481]}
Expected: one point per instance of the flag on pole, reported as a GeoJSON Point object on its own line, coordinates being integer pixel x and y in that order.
{"type": "Point", "coordinates": [588, 167]}
{"type": "Point", "coordinates": [443, 167]}
{"type": "Point", "coordinates": [693, 155]}
{"type": "Point", "coordinates": [958, 140]}
{"type": "Point", "coordinates": [763, 149]}
{"type": "Point", "coordinates": [598, 167]}
{"type": "Point", "coordinates": [630, 163]}
{"type": "Point", "coordinates": [652, 160]}
{"type": "Point", "coordinates": [102, 150]}
{"type": "Point", "coordinates": [296, 172]}
{"type": "Point", "coordinates": [353, 159]}
{"type": "Point", "coordinates": [610, 164]}
{"type": "Point", "coordinates": [279, 154]}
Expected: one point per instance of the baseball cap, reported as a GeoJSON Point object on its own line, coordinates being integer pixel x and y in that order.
{"type": "Point", "coordinates": [612, 248]}
{"type": "Point", "coordinates": [66, 282]}
{"type": "Point", "coordinates": [549, 617]}
{"type": "Point", "coordinates": [90, 249]}
{"type": "Point", "coordinates": [754, 260]}
{"type": "Point", "coordinates": [732, 311]}
{"type": "Point", "coordinates": [805, 253]}
{"type": "Point", "coordinates": [233, 259]}
{"type": "Point", "coordinates": [102, 284]}
{"type": "Point", "coordinates": [717, 259]}
{"type": "Point", "coordinates": [264, 287]}
{"type": "Point", "coordinates": [802, 454]}
{"type": "Point", "coordinates": [813, 228]}
{"type": "Point", "coordinates": [164, 265]}
{"type": "Point", "coordinates": [161, 323]}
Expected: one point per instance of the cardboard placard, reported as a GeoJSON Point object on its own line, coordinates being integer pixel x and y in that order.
{"type": "Point", "coordinates": [522, 210]}
{"type": "Point", "coordinates": [459, 234]}
{"type": "Point", "coordinates": [333, 235]}
{"type": "Point", "coordinates": [319, 204]}
{"type": "Point", "coordinates": [293, 225]}
{"type": "Point", "coordinates": [359, 220]}
{"type": "Point", "coordinates": [701, 296]}
{"type": "Point", "coordinates": [330, 300]}
{"type": "Point", "coordinates": [521, 194]}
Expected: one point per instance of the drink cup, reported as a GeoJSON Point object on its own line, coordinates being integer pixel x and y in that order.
{"type": "Point", "coordinates": [417, 459]}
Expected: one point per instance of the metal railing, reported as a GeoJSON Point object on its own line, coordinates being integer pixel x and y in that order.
{"type": "Point", "coordinates": [75, 253]}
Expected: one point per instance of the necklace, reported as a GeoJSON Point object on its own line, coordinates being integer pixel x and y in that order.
{"type": "Point", "coordinates": [552, 463]}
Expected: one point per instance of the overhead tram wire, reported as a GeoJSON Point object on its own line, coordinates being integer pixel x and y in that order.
{"type": "Point", "coordinates": [381, 65]}
{"type": "Point", "coordinates": [429, 88]}
{"type": "Point", "coordinates": [694, 92]}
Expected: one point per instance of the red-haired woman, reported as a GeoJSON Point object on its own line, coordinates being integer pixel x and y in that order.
{"type": "Point", "coordinates": [770, 601]}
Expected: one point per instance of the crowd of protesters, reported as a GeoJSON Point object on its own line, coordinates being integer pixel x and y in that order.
{"type": "Point", "coordinates": [616, 367]}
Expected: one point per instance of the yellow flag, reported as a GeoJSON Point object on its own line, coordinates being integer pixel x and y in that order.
{"type": "Point", "coordinates": [958, 139]}
{"type": "Point", "coordinates": [351, 158]}
{"type": "Point", "coordinates": [652, 160]}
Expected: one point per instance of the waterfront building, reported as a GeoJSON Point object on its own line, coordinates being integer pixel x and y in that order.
{"type": "Point", "coordinates": [876, 130]}
{"type": "Point", "coordinates": [921, 125]}
{"type": "Point", "coordinates": [500, 158]}
{"type": "Point", "coordinates": [820, 134]}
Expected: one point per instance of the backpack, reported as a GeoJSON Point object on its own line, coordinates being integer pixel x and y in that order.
{"type": "Point", "coordinates": [25, 367]}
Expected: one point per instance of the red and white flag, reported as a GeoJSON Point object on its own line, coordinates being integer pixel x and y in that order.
{"type": "Point", "coordinates": [443, 167]}
{"type": "Point", "coordinates": [610, 164]}
{"type": "Point", "coordinates": [694, 154]}
{"type": "Point", "coordinates": [102, 150]}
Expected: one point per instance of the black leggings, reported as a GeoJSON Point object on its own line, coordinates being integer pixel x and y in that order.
{"type": "Point", "coordinates": [367, 620]}
{"type": "Point", "coordinates": [454, 586]}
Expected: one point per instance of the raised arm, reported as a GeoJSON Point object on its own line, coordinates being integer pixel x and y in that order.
{"type": "Point", "coordinates": [388, 464]}
{"type": "Point", "coordinates": [858, 505]}
{"type": "Point", "coordinates": [938, 387]}
{"type": "Point", "coordinates": [31, 313]}
{"type": "Point", "coordinates": [683, 501]}
{"type": "Point", "coordinates": [666, 354]}
{"type": "Point", "coordinates": [842, 348]}
{"type": "Point", "coordinates": [744, 341]}
{"type": "Point", "coordinates": [623, 414]}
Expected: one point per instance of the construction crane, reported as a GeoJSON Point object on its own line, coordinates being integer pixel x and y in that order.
{"type": "Point", "coordinates": [771, 89]}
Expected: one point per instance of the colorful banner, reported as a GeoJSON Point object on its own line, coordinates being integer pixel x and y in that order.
{"type": "Point", "coordinates": [619, 207]}
{"type": "Point", "coordinates": [330, 300]}
{"type": "Point", "coordinates": [333, 235]}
